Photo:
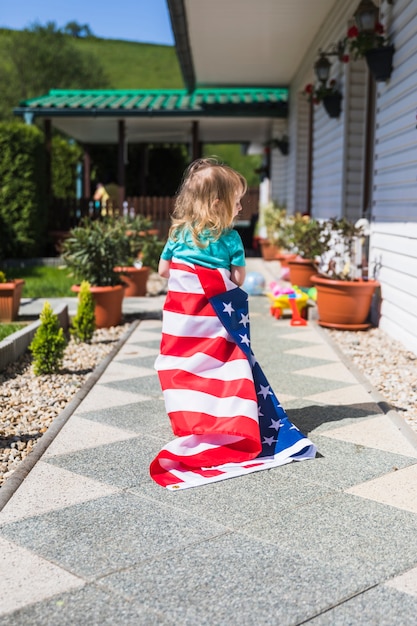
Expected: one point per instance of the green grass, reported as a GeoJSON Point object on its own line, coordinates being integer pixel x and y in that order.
{"type": "Point", "coordinates": [43, 281]}
{"type": "Point", "coordinates": [127, 64]}
{"type": "Point", "coordinates": [9, 329]}
{"type": "Point", "coordinates": [131, 65]}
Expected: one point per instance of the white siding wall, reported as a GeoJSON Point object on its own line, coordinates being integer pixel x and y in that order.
{"type": "Point", "coordinates": [355, 138]}
{"type": "Point", "coordinates": [336, 189]}
{"type": "Point", "coordinates": [279, 165]}
{"type": "Point", "coordinates": [394, 210]}
{"type": "Point", "coordinates": [328, 160]}
{"type": "Point", "coordinates": [298, 157]}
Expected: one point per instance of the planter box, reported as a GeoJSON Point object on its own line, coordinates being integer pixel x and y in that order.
{"type": "Point", "coordinates": [10, 295]}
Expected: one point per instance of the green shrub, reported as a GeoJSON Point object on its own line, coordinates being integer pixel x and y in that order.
{"type": "Point", "coordinates": [84, 323]}
{"type": "Point", "coordinates": [23, 210]}
{"type": "Point", "coordinates": [65, 156]}
{"type": "Point", "coordinates": [48, 344]}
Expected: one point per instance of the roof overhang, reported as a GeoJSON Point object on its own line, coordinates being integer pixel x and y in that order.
{"type": "Point", "coordinates": [244, 42]}
{"type": "Point", "coordinates": [152, 116]}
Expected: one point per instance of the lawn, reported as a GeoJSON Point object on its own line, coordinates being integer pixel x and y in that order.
{"type": "Point", "coordinates": [9, 329]}
{"type": "Point", "coordinates": [43, 281]}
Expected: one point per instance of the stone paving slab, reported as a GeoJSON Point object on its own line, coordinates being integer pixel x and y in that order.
{"type": "Point", "coordinates": [327, 541]}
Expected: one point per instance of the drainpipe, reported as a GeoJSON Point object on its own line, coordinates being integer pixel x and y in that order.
{"type": "Point", "coordinates": [121, 164]}
{"type": "Point", "coordinates": [310, 159]}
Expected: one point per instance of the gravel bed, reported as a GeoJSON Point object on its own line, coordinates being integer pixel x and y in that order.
{"type": "Point", "coordinates": [387, 364]}
{"type": "Point", "coordinates": [29, 403]}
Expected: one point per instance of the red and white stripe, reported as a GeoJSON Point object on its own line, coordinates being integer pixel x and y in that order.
{"type": "Point", "coordinates": [207, 385]}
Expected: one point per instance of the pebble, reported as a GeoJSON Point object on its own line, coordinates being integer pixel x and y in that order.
{"type": "Point", "coordinates": [29, 403]}
{"type": "Point", "coordinates": [389, 367]}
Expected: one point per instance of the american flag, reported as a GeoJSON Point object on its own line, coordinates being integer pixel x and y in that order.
{"type": "Point", "coordinates": [226, 417]}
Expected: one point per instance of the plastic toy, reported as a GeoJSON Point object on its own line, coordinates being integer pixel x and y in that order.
{"type": "Point", "coordinates": [254, 284]}
{"type": "Point", "coordinates": [284, 298]}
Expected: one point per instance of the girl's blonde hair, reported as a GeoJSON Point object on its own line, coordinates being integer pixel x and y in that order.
{"type": "Point", "coordinates": [206, 200]}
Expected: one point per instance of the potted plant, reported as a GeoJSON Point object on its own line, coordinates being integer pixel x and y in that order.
{"type": "Point", "coordinates": [375, 47]}
{"type": "Point", "coordinates": [329, 94]}
{"type": "Point", "coordinates": [10, 296]}
{"type": "Point", "coordinates": [92, 251]}
{"type": "Point", "coordinates": [343, 296]}
{"type": "Point", "coordinates": [307, 238]}
{"type": "Point", "coordinates": [274, 246]}
{"type": "Point", "coordinates": [140, 252]}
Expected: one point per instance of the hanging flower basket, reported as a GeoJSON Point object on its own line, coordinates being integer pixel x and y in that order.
{"type": "Point", "coordinates": [379, 61]}
{"type": "Point", "coordinates": [333, 104]}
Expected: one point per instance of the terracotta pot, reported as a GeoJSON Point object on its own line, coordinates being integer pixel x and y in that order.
{"type": "Point", "coordinates": [284, 258]}
{"type": "Point", "coordinates": [108, 304]}
{"type": "Point", "coordinates": [301, 271]}
{"type": "Point", "coordinates": [10, 295]}
{"type": "Point", "coordinates": [135, 280]}
{"type": "Point", "coordinates": [344, 304]}
{"type": "Point", "coordinates": [269, 250]}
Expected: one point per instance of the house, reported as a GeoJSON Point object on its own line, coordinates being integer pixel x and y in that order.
{"type": "Point", "coordinates": [362, 163]}
{"type": "Point", "coordinates": [246, 64]}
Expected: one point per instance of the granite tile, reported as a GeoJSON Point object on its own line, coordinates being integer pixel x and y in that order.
{"type": "Point", "coordinates": [79, 434]}
{"type": "Point", "coordinates": [397, 489]}
{"type": "Point", "coordinates": [374, 539]}
{"type": "Point", "coordinates": [236, 581]}
{"type": "Point", "coordinates": [376, 607]}
{"type": "Point", "coordinates": [47, 488]}
{"type": "Point", "coordinates": [377, 432]}
{"type": "Point", "coordinates": [27, 578]}
{"type": "Point", "coordinates": [88, 606]}
{"type": "Point", "coordinates": [102, 536]}
{"type": "Point", "coordinates": [121, 464]}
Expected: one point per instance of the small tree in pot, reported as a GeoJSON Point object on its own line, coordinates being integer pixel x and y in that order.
{"type": "Point", "coordinates": [92, 251]}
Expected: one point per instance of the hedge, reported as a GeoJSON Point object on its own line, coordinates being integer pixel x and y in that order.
{"type": "Point", "coordinates": [23, 209]}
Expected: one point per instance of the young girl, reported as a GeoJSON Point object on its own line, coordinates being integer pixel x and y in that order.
{"type": "Point", "coordinates": [208, 202]}
{"type": "Point", "coordinates": [226, 417]}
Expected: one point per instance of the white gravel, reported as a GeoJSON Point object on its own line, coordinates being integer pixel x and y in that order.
{"type": "Point", "coordinates": [29, 403]}
{"type": "Point", "coordinates": [387, 364]}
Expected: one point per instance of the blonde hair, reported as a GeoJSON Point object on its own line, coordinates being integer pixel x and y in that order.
{"type": "Point", "coordinates": [206, 200]}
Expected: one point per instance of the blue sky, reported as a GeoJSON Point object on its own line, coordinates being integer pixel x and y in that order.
{"type": "Point", "coordinates": [134, 20]}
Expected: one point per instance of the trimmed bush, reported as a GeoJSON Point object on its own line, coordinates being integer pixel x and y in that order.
{"type": "Point", "coordinates": [84, 323]}
{"type": "Point", "coordinates": [23, 210]}
{"type": "Point", "coordinates": [48, 344]}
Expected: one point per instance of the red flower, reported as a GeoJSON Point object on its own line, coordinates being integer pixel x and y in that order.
{"type": "Point", "coordinates": [332, 83]}
{"type": "Point", "coordinates": [353, 32]}
{"type": "Point", "coordinates": [345, 58]}
{"type": "Point", "coordinates": [308, 88]}
{"type": "Point", "coordinates": [379, 28]}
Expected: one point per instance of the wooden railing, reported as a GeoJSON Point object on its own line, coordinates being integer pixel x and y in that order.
{"type": "Point", "coordinates": [66, 214]}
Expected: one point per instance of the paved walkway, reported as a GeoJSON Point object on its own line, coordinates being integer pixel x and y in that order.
{"type": "Point", "coordinates": [89, 539]}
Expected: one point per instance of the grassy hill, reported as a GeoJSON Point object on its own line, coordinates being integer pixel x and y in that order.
{"type": "Point", "coordinates": [127, 64]}
{"type": "Point", "coordinates": [131, 65]}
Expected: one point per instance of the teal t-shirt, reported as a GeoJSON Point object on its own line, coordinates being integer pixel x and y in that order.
{"type": "Point", "coordinates": [226, 251]}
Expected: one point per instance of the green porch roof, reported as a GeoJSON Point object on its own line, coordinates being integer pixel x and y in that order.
{"type": "Point", "coordinates": [254, 101]}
